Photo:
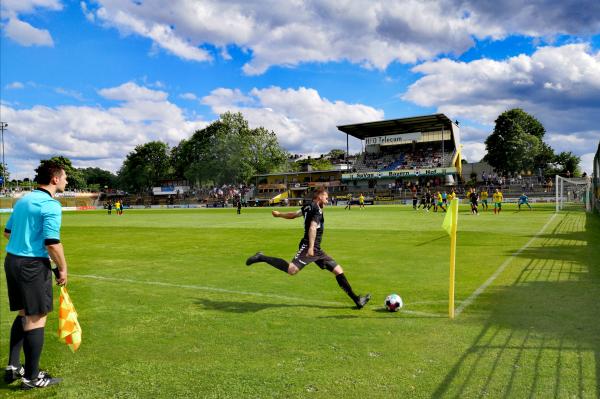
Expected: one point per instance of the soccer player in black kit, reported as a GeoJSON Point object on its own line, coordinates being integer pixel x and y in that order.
{"type": "Point", "coordinates": [310, 247]}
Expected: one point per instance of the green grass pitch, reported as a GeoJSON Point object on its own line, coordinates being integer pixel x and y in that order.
{"type": "Point", "coordinates": [169, 309]}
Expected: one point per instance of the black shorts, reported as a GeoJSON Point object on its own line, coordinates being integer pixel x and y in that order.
{"type": "Point", "coordinates": [29, 283]}
{"type": "Point", "coordinates": [322, 260]}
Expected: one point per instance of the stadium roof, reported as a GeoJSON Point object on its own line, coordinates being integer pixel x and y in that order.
{"type": "Point", "coordinates": [397, 126]}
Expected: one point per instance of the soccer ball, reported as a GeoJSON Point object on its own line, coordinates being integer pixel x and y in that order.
{"type": "Point", "coordinates": [393, 302]}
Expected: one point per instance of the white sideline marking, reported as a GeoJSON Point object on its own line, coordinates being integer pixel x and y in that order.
{"type": "Point", "coordinates": [500, 269]}
{"type": "Point", "coordinates": [216, 289]}
{"type": "Point", "coordinates": [195, 287]}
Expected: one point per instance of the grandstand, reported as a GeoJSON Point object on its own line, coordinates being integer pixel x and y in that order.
{"type": "Point", "coordinates": [403, 152]}
{"type": "Point", "coordinates": [398, 155]}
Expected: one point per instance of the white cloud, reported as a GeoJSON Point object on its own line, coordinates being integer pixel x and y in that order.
{"type": "Point", "coordinates": [15, 86]}
{"type": "Point", "coordinates": [88, 14]}
{"type": "Point", "coordinates": [373, 34]}
{"type": "Point", "coordinates": [587, 163]}
{"type": "Point", "coordinates": [26, 35]}
{"type": "Point", "coordinates": [162, 34]}
{"type": "Point", "coordinates": [70, 93]}
{"type": "Point", "coordinates": [29, 6]}
{"type": "Point", "coordinates": [94, 135]}
{"type": "Point", "coordinates": [132, 92]}
{"type": "Point", "coordinates": [560, 86]}
{"type": "Point", "coordinates": [188, 96]}
{"type": "Point", "coordinates": [304, 121]}
{"type": "Point", "coordinates": [473, 152]}
{"type": "Point", "coordinates": [22, 32]}
{"type": "Point", "coordinates": [537, 18]}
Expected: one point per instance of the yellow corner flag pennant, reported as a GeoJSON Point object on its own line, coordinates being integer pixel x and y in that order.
{"type": "Point", "coordinates": [451, 216]}
{"type": "Point", "coordinates": [69, 330]}
{"type": "Point", "coordinates": [450, 225]}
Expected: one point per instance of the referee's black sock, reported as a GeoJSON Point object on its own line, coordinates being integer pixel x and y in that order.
{"type": "Point", "coordinates": [16, 342]}
{"type": "Point", "coordinates": [341, 279]}
{"type": "Point", "coordinates": [277, 263]}
{"type": "Point", "coordinates": [32, 346]}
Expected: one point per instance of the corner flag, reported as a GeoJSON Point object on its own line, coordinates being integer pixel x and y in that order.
{"type": "Point", "coordinates": [450, 224]}
{"type": "Point", "coordinates": [451, 217]}
{"type": "Point", "coordinates": [69, 330]}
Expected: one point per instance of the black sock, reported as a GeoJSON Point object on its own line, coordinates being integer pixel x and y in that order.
{"type": "Point", "coordinates": [32, 346]}
{"type": "Point", "coordinates": [277, 263]}
{"type": "Point", "coordinates": [16, 342]}
{"type": "Point", "coordinates": [341, 279]}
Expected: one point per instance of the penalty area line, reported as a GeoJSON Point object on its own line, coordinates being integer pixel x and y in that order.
{"type": "Point", "coordinates": [467, 302]}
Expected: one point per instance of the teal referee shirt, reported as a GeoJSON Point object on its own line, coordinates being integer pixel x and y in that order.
{"type": "Point", "coordinates": [33, 224]}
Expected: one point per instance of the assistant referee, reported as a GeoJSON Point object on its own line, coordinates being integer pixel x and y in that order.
{"type": "Point", "coordinates": [33, 233]}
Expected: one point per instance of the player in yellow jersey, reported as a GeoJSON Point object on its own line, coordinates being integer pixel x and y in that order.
{"type": "Point", "coordinates": [361, 201]}
{"type": "Point", "coordinates": [440, 201]}
{"type": "Point", "coordinates": [497, 201]}
{"type": "Point", "coordinates": [484, 198]}
{"type": "Point", "coordinates": [451, 196]}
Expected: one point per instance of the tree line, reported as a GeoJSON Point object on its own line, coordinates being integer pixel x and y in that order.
{"type": "Point", "coordinates": [226, 151]}
{"type": "Point", "coordinates": [229, 151]}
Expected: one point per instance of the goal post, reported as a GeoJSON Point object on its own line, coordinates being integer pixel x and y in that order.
{"type": "Point", "coordinates": [573, 193]}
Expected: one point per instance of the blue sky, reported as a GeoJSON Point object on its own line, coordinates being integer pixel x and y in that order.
{"type": "Point", "coordinates": [92, 79]}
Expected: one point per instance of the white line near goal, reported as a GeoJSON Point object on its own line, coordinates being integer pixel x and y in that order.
{"type": "Point", "coordinates": [467, 302]}
{"type": "Point", "coordinates": [227, 291]}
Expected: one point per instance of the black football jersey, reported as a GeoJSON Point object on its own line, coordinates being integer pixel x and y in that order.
{"type": "Point", "coordinates": [312, 212]}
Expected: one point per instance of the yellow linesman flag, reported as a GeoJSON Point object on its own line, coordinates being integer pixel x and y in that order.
{"type": "Point", "coordinates": [451, 217]}
{"type": "Point", "coordinates": [69, 330]}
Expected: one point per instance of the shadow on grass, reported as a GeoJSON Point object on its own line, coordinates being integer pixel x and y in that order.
{"type": "Point", "coordinates": [542, 337]}
{"type": "Point", "coordinates": [430, 241]}
{"type": "Point", "coordinates": [250, 307]}
{"type": "Point", "coordinates": [382, 313]}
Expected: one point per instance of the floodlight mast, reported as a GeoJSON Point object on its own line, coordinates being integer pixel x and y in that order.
{"type": "Point", "coordinates": [3, 127]}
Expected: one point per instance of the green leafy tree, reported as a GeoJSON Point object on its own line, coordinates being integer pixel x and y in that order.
{"type": "Point", "coordinates": [527, 122]}
{"type": "Point", "coordinates": [516, 142]}
{"type": "Point", "coordinates": [227, 151]}
{"type": "Point", "coordinates": [544, 158]}
{"type": "Point", "coordinates": [4, 172]}
{"type": "Point", "coordinates": [145, 166]}
{"type": "Point", "coordinates": [566, 161]}
{"type": "Point", "coordinates": [336, 154]}
{"type": "Point", "coordinates": [321, 163]}
{"type": "Point", "coordinates": [98, 177]}
{"type": "Point", "coordinates": [196, 158]}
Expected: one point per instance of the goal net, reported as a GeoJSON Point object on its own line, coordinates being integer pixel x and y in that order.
{"type": "Point", "coordinates": [573, 193]}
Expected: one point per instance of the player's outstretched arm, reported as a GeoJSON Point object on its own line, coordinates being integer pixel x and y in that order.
{"type": "Point", "coordinates": [287, 215]}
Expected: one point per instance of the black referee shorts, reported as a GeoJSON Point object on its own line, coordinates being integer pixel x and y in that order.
{"type": "Point", "coordinates": [322, 260]}
{"type": "Point", "coordinates": [29, 283]}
